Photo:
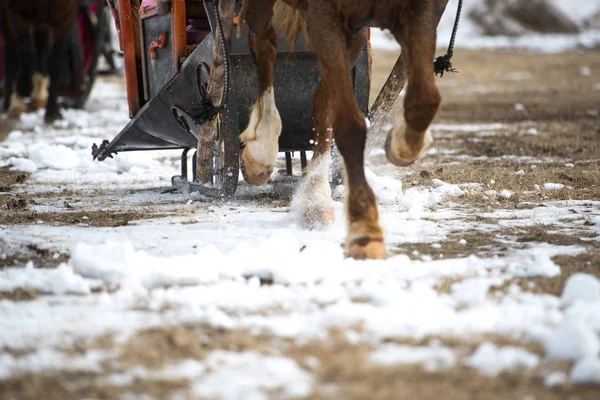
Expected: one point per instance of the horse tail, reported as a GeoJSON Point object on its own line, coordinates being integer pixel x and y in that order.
{"type": "Point", "coordinates": [290, 21]}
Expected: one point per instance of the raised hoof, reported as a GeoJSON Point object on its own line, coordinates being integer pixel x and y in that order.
{"type": "Point", "coordinates": [253, 172]}
{"type": "Point", "coordinates": [52, 116]}
{"type": "Point", "coordinates": [397, 161]}
{"type": "Point", "coordinates": [366, 248]}
{"type": "Point", "coordinates": [38, 104]}
{"type": "Point", "coordinates": [317, 218]}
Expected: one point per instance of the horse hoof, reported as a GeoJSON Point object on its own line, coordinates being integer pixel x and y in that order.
{"type": "Point", "coordinates": [366, 248]}
{"type": "Point", "coordinates": [402, 155]}
{"type": "Point", "coordinates": [52, 116]}
{"type": "Point", "coordinates": [318, 218]}
{"type": "Point", "coordinates": [253, 172]}
{"type": "Point", "coordinates": [397, 161]}
{"type": "Point", "coordinates": [38, 104]}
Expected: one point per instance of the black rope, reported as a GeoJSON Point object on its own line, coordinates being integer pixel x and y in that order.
{"type": "Point", "coordinates": [207, 110]}
{"type": "Point", "coordinates": [444, 64]}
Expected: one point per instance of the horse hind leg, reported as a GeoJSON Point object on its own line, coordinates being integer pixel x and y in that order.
{"type": "Point", "coordinates": [410, 139]}
{"type": "Point", "coordinates": [313, 199]}
{"type": "Point", "coordinates": [40, 79]}
{"type": "Point", "coordinates": [365, 239]}
{"type": "Point", "coordinates": [261, 137]}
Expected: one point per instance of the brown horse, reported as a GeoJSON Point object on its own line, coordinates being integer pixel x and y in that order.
{"type": "Point", "coordinates": [336, 30]}
{"type": "Point", "coordinates": [35, 33]}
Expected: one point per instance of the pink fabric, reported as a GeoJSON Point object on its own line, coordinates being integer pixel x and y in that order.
{"type": "Point", "coordinates": [146, 4]}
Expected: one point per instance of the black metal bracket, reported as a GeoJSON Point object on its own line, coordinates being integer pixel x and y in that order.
{"type": "Point", "coordinates": [98, 152]}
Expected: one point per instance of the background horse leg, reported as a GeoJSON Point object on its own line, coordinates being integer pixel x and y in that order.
{"type": "Point", "coordinates": [26, 56]}
{"type": "Point", "coordinates": [39, 94]}
{"type": "Point", "coordinates": [365, 239]}
{"type": "Point", "coordinates": [409, 141]}
{"type": "Point", "coordinates": [54, 66]}
{"type": "Point", "coordinates": [313, 199]}
{"type": "Point", "coordinates": [11, 69]}
{"type": "Point", "coordinates": [262, 134]}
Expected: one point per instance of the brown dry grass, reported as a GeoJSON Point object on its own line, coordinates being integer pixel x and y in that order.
{"type": "Point", "coordinates": [10, 178]}
{"type": "Point", "coordinates": [345, 372]}
{"type": "Point", "coordinates": [157, 347]}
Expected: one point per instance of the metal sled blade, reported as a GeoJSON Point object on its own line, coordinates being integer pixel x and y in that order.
{"type": "Point", "coordinates": [157, 126]}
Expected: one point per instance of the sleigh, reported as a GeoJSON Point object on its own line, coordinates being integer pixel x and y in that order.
{"type": "Point", "coordinates": [167, 61]}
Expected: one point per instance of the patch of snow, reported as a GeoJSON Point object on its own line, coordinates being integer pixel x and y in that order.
{"type": "Point", "coordinates": [581, 287]}
{"type": "Point", "coordinates": [492, 360]}
{"type": "Point", "coordinates": [586, 371]}
{"type": "Point", "coordinates": [21, 164]}
{"type": "Point", "coordinates": [387, 190]}
{"type": "Point", "coordinates": [554, 379]}
{"type": "Point", "coordinates": [61, 280]}
{"type": "Point", "coordinates": [54, 156]}
{"type": "Point", "coordinates": [47, 360]}
{"type": "Point", "coordinates": [117, 263]}
{"type": "Point", "coordinates": [472, 291]}
{"type": "Point", "coordinates": [251, 376]}
{"type": "Point", "coordinates": [553, 186]}
{"type": "Point", "coordinates": [572, 340]}
{"type": "Point", "coordinates": [466, 127]}
{"type": "Point", "coordinates": [585, 71]}
{"type": "Point", "coordinates": [433, 358]}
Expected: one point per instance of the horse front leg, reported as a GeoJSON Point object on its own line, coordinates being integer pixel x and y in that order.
{"type": "Point", "coordinates": [409, 141]}
{"type": "Point", "coordinates": [261, 137]}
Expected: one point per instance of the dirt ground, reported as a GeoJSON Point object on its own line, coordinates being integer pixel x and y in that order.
{"type": "Point", "coordinates": [549, 111]}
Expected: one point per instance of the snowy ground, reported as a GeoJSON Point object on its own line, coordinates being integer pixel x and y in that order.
{"type": "Point", "coordinates": [112, 286]}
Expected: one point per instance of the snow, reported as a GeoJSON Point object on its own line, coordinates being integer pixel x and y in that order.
{"type": "Point", "coordinates": [572, 340]}
{"type": "Point", "coordinates": [586, 371]}
{"type": "Point", "coordinates": [472, 291]}
{"type": "Point", "coordinates": [61, 280]}
{"type": "Point", "coordinates": [492, 360]}
{"type": "Point", "coordinates": [254, 376]}
{"type": "Point", "coordinates": [553, 186]}
{"type": "Point", "coordinates": [20, 164]}
{"type": "Point", "coordinates": [581, 287]}
{"type": "Point", "coordinates": [47, 360]}
{"type": "Point", "coordinates": [556, 378]}
{"type": "Point", "coordinates": [432, 358]}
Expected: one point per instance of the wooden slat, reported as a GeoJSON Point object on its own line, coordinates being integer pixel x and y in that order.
{"type": "Point", "coordinates": [179, 36]}
{"type": "Point", "coordinates": [129, 56]}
